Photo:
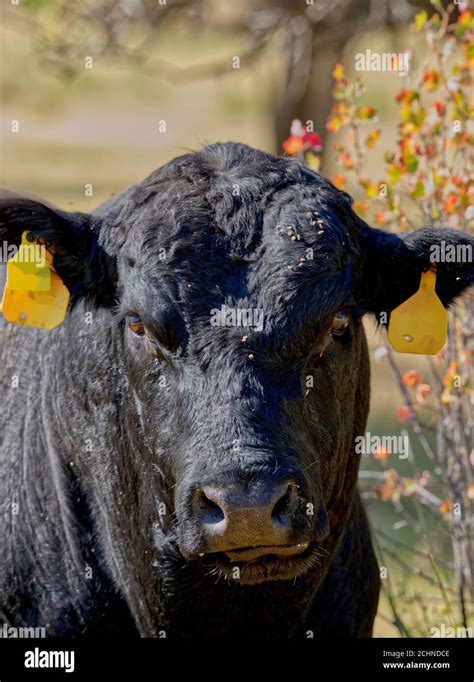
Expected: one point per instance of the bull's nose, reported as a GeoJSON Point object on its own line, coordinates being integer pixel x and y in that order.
{"type": "Point", "coordinates": [233, 518]}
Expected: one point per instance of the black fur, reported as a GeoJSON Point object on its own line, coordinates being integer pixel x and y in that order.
{"type": "Point", "coordinates": [104, 426]}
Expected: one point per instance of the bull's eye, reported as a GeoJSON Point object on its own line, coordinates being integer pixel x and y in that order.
{"type": "Point", "coordinates": [340, 323]}
{"type": "Point", "coordinates": [136, 325]}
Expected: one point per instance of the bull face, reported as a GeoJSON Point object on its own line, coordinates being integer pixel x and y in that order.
{"type": "Point", "coordinates": [235, 284]}
{"type": "Point", "coordinates": [243, 344]}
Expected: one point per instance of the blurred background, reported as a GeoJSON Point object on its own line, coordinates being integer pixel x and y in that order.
{"type": "Point", "coordinates": [97, 94]}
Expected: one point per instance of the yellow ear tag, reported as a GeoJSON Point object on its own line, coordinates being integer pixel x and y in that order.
{"type": "Point", "coordinates": [28, 269]}
{"type": "Point", "coordinates": [34, 295]}
{"type": "Point", "coordinates": [419, 324]}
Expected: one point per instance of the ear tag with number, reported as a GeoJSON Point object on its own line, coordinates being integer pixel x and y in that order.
{"type": "Point", "coordinates": [34, 295]}
{"type": "Point", "coordinates": [419, 324]}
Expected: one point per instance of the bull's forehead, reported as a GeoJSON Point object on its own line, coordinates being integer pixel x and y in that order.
{"type": "Point", "coordinates": [243, 246]}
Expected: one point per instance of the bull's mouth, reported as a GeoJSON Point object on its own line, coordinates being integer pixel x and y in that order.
{"type": "Point", "coordinates": [255, 553]}
{"type": "Point", "coordinates": [253, 565]}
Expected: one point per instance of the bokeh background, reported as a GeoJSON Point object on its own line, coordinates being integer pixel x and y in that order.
{"type": "Point", "coordinates": [91, 83]}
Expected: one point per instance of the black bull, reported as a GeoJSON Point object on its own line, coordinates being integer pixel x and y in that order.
{"type": "Point", "coordinates": [178, 456]}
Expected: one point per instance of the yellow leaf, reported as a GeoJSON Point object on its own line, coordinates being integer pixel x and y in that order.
{"type": "Point", "coordinates": [313, 161]}
{"type": "Point", "coordinates": [420, 20]}
{"type": "Point", "coordinates": [338, 72]}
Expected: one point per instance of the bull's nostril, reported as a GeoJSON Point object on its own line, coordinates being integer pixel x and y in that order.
{"type": "Point", "coordinates": [282, 506]}
{"type": "Point", "coordinates": [209, 511]}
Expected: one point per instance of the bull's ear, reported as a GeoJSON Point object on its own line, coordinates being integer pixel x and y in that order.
{"type": "Point", "coordinates": [393, 263]}
{"type": "Point", "coordinates": [79, 259]}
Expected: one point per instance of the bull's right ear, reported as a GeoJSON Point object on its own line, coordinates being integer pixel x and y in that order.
{"type": "Point", "coordinates": [74, 238]}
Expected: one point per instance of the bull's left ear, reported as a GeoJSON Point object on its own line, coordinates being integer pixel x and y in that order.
{"type": "Point", "coordinates": [393, 263]}
{"type": "Point", "coordinates": [74, 238]}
